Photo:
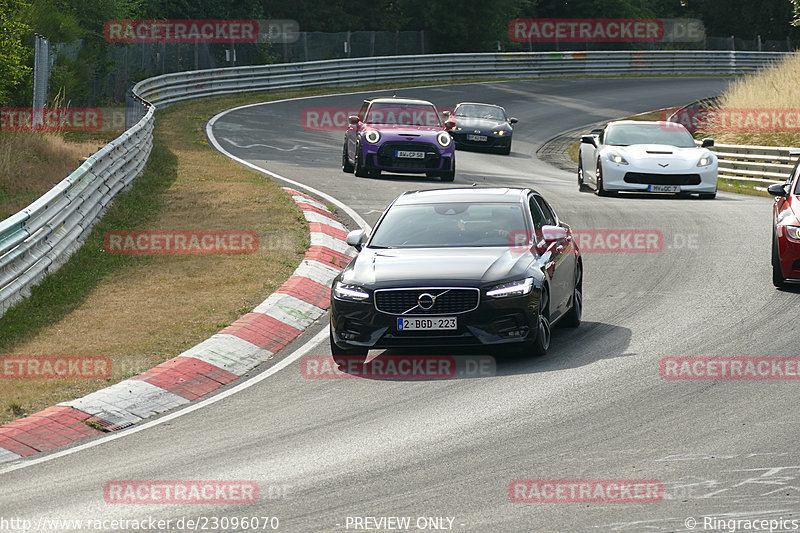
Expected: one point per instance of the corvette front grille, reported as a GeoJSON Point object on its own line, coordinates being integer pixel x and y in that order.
{"type": "Point", "coordinates": [662, 179]}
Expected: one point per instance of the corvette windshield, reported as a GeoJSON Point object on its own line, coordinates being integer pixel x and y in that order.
{"type": "Point", "coordinates": [403, 114]}
{"type": "Point", "coordinates": [480, 111]}
{"type": "Point", "coordinates": [627, 134]}
{"type": "Point", "coordinates": [444, 225]}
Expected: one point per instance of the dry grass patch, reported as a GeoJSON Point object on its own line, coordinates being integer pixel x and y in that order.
{"type": "Point", "coordinates": [31, 163]}
{"type": "Point", "coordinates": [150, 308]}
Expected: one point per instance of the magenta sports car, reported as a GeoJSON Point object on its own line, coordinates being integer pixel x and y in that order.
{"type": "Point", "coordinates": [400, 135]}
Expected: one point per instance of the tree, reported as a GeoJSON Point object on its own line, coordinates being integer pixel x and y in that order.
{"type": "Point", "coordinates": [13, 53]}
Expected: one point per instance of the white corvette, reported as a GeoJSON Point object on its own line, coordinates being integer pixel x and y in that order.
{"type": "Point", "coordinates": [639, 156]}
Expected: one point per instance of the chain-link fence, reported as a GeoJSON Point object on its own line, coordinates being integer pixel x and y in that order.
{"type": "Point", "coordinates": [109, 81]}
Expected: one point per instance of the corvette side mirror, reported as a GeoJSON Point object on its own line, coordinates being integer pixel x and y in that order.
{"type": "Point", "coordinates": [589, 139]}
{"type": "Point", "coordinates": [707, 142]}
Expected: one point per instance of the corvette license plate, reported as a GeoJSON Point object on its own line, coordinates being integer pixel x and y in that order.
{"type": "Point", "coordinates": [664, 188]}
{"type": "Point", "coordinates": [471, 137]}
{"type": "Point", "coordinates": [406, 154]}
{"type": "Point", "coordinates": [427, 324]}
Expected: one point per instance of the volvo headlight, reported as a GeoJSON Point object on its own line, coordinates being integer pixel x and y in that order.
{"type": "Point", "coordinates": [793, 232]}
{"type": "Point", "coordinates": [372, 136]}
{"type": "Point", "coordinates": [444, 138]}
{"type": "Point", "coordinates": [519, 287]}
{"type": "Point", "coordinates": [705, 161]}
{"type": "Point", "coordinates": [346, 291]}
{"type": "Point", "coordinates": [616, 158]}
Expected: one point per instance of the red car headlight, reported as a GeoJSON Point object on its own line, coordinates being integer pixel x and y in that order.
{"type": "Point", "coordinates": [793, 232]}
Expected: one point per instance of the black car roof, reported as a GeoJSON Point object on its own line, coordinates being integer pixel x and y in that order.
{"type": "Point", "coordinates": [467, 194]}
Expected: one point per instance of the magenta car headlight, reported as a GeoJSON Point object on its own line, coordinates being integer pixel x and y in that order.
{"type": "Point", "coordinates": [444, 139]}
{"type": "Point", "coordinates": [372, 136]}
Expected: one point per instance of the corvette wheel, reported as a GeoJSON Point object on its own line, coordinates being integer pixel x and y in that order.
{"type": "Point", "coordinates": [347, 166]}
{"type": "Point", "coordinates": [707, 195]}
{"type": "Point", "coordinates": [581, 183]}
{"type": "Point", "coordinates": [600, 191]}
{"type": "Point", "coordinates": [573, 317]}
{"type": "Point", "coordinates": [777, 276]}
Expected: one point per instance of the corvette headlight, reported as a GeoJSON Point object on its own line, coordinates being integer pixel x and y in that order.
{"type": "Point", "coordinates": [444, 138]}
{"type": "Point", "coordinates": [519, 287]}
{"type": "Point", "coordinates": [500, 132]}
{"type": "Point", "coordinates": [616, 158]}
{"type": "Point", "coordinates": [345, 291]}
{"type": "Point", "coordinates": [705, 161]}
{"type": "Point", "coordinates": [793, 232]}
{"type": "Point", "coordinates": [372, 136]}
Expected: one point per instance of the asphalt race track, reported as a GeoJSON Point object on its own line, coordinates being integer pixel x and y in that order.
{"type": "Point", "coordinates": [595, 407]}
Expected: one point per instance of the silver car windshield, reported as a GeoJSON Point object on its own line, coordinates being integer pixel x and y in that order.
{"type": "Point", "coordinates": [627, 134]}
{"type": "Point", "coordinates": [447, 225]}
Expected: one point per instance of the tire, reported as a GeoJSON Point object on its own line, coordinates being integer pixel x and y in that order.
{"type": "Point", "coordinates": [353, 353]}
{"type": "Point", "coordinates": [707, 195]}
{"type": "Point", "coordinates": [450, 175]}
{"type": "Point", "coordinates": [347, 166]}
{"type": "Point", "coordinates": [359, 169]}
{"type": "Point", "coordinates": [581, 184]}
{"type": "Point", "coordinates": [600, 191]}
{"type": "Point", "coordinates": [573, 317]}
{"type": "Point", "coordinates": [506, 151]}
{"type": "Point", "coordinates": [777, 276]}
{"type": "Point", "coordinates": [540, 343]}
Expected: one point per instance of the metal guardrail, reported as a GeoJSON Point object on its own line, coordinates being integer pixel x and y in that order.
{"type": "Point", "coordinates": [41, 237]}
{"type": "Point", "coordinates": [761, 165]}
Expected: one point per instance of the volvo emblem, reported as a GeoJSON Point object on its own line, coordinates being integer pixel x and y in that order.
{"type": "Point", "coordinates": [426, 301]}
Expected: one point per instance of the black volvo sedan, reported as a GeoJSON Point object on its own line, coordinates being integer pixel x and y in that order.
{"type": "Point", "coordinates": [458, 267]}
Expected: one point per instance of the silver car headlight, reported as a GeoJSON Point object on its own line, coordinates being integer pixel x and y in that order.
{"type": "Point", "coordinates": [705, 161]}
{"type": "Point", "coordinates": [346, 291]}
{"type": "Point", "coordinates": [444, 138]}
{"type": "Point", "coordinates": [616, 158]}
{"type": "Point", "coordinates": [519, 287]}
{"type": "Point", "coordinates": [372, 136]}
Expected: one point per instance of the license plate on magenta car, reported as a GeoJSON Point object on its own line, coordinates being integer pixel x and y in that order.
{"type": "Point", "coordinates": [427, 324]}
{"type": "Point", "coordinates": [408, 154]}
{"type": "Point", "coordinates": [664, 188]}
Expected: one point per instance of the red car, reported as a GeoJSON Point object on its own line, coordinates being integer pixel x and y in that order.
{"type": "Point", "coordinates": [786, 229]}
